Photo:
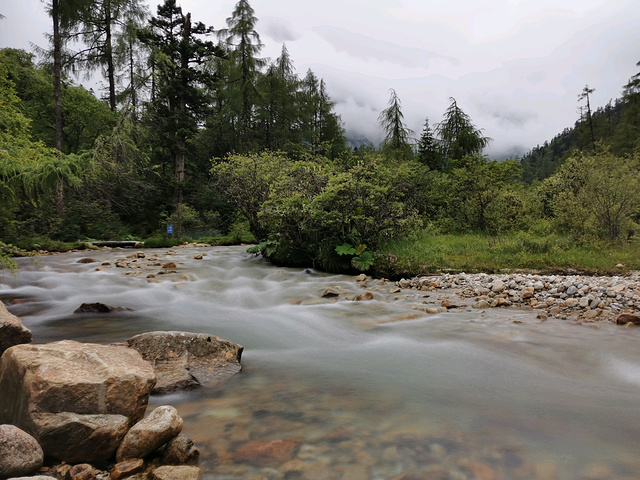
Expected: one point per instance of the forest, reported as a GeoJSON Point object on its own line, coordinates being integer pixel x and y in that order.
{"type": "Point", "coordinates": [196, 130]}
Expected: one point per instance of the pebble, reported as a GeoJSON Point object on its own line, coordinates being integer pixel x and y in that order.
{"type": "Point", "coordinates": [588, 299]}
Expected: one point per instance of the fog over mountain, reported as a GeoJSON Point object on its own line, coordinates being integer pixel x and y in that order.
{"type": "Point", "coordinates": [516, 67]}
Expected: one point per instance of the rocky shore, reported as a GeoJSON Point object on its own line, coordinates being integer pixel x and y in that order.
{"type": "Point", "coordinates": [76, 411]}
{"type": "Point", "coordinates": [577, 298]}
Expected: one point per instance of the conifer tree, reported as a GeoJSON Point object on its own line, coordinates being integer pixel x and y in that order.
{"type": "Point", "coordinates": [397, 134]}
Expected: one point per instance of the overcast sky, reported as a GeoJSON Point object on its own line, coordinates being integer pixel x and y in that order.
{"type": "Point", "coordinates": [516, 67]}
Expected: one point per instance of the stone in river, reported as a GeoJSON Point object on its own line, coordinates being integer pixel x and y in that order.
{"type": "Point", "coordinates": [20, 453]}
{"type": "Point", "coordinates": [266, 453]}
{"type": "Point", "coordinates": [180, 451]}
{"type": "Point", "coordinates": [628, 318]}
{"type": "Point", "coordinates": [77, 399]}
{"type": "Point", "coordinates": [150, 433]}
{"type": "Point", "coordinates": [12, 331]}
{"type": "Point", "coordinates": [183, 360]}
{"type": "Point", "coordinates": [176, 473]}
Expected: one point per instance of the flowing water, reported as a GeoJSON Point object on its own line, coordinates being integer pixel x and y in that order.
{"type": "Point", "coordinates": [366, 389]}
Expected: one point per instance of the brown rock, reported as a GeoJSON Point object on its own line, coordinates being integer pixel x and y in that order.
{"type": "Point", "coordinates": [176, 473]}
{"type": "Point", "coordinates": [180, 451]}
{"type": "Point", "coordinates": [183, 360]}
{"type": "Point", "coordinates": [628, 318]}
{"type": "Point", "coordinates": [20, 453]}
{"type": "Point", "coordinates": [268, 453]}
{"type": "Point", "coordinates": [12, 331]}
{"type": "Point", "coordinates": [169, 265]}
{"type": "Point", "coordinates": [150, 433]}
{"type": "Point", "coordinates": [87, 260]}
{"type": "Point", "coordinates": [76, 399]}
{"type": "Point", "coordinates": [127, 468]}
{"type": "Point", "coordinates": [82, 471]}
{"type": "Point", "coordinates": [364, 296]}
{"type": "Point", "coordinates": [527, 292]}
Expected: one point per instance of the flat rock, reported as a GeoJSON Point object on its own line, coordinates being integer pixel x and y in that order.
{"type": "Point", "coordinates": [12, 331]}
{"type": "Point", "coordinates": [183, 360]}
{"type": "Point", "coordinates": [267, 453]}
{"type": "Point", "coordinates": [127, 468]}
{"type": "Point", "coordinates": [76, 399]}
{"type": "Point", "coordinates": [20, 453]}
{"type": "Point", "coordinates": [150, 433]}
{"type": "Point", "coordinates": [176, 473]}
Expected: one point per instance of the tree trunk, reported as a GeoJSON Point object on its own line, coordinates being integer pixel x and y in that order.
{"type": "Point", "coordinates": [57, 82]}
{"type": "Point", "coordinates": [109, 54]}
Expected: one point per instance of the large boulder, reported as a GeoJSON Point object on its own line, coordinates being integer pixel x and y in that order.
{"type": "Point", "coordinates": [12, 331]}
{"type": "Point", "coordinates": [77, 399]}
{"type": "Point", "coordinates": [183, 361]}
{"type": "Point", "coordinates": [20, 453]}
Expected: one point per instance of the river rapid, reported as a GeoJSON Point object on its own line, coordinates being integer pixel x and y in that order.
{"type": "Point", "coordinates": [373, 389]}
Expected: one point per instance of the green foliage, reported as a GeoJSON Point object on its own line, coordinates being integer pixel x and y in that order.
{"type": "Point", "coordinates": [596, 195]}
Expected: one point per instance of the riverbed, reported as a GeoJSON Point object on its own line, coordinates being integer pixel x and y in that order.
{"type": "Point", "coordinates": [375, 388]}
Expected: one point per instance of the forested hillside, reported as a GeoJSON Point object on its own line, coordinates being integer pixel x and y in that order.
{"type": "Point", "coordinates": [196, 130]}
{"type": "Point", "coordinates": [615, 125]}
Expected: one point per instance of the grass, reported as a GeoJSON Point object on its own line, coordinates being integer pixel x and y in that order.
{"type": "Point", "coordinates": [431, 253]}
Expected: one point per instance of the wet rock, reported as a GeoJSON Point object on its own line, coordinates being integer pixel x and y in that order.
{"type": "Point", "coordinates": [363, 296]}
{"type": "Point", "coordinates": [20, 453]}
{"type": "Point", "coordinates": [150, 433]}
{"type": "Point", "coordinates": [127, 468]}
{"type": "Point", "coordinates": [183, 360]}
{"type": "Point", "coordinates": [180, 451]}
{"type": "Point", "coordinates": [329, 292]}
{"type": "Point", "coordinates": [12, 331]}
{"type": "Point", "coordinates": [82, 471]}
{"type": "Point", "coordinates": [169, 265]}
{"type": "Point", "coordinates": [87, 260]}
{"type": "Point", "coordinates": [626, 318]}
{"type": "Point", "coordinates": [176, 473]}
{"type": "Point", "coordinates": [480, 304]}
{"type": "Point", "coordinates": [100, 308]}
{"type": "Point", "coordinates": [76, 399]}
{"type": "Point", "coordinates": [267, 453]}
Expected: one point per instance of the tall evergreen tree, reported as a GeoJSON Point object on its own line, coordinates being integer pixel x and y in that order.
{"type": "Point", "coordinates": [458, 136]}
{"type": "Point", "coordinates": [585, 95]}
{"type": "Point", "coordinates": [428, 153]}
{"type": "Point", "coordinates": [65, 15]}
{"type": "Point", "coordinates": [397, 134]}
{"type": "Point", "coordinates": [244, 46]}
{"type": "Point", "coordinates": [279, 109]}
{"type": "Point", "coordinates": [178, 52]}
{"type": "Point", "coordinates": [106, 29]}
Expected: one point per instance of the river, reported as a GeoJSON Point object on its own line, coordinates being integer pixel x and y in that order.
{"type": "Point", "coordinates": [367, 389]}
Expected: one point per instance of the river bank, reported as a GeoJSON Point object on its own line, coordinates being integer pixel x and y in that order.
{"type": "Point", "coordinates": [365, 378]}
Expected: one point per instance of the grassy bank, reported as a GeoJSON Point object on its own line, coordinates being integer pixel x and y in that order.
{"type": "Point", "coordinates": [431, 253]}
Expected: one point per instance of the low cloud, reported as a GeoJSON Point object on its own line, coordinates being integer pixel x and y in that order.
{"type": "Point", "coordinates": [279, 30]}
{"type": "Point", "coordinates": [368, 48]}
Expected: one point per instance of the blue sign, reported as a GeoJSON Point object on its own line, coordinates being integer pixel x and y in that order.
{"type": "Point", "coordinates": [169, 229]}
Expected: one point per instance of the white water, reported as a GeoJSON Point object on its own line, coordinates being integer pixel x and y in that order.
{"type": "Point", "coordinates": [558, 392]}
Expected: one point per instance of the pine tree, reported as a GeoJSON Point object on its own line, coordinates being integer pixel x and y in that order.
{"type": "Point", "coordinates": [428, 153]}
{"type": "Point", "coordinates": [244, 46]}
{"type": "Point", "coordinates": [397, 134]}
{"type": "Point", "coordinates": [179, 103]}
{"type": "Point", "coordinates": [458, 136]}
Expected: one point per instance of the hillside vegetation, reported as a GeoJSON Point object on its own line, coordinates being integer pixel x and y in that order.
{"type": "Point", "coordinates": [196, 130]}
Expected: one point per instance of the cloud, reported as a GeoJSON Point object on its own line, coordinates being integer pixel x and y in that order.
{"type": "Point", "coordinates": [504, 115]}
{"type": "Point", "coordinates": [368, 48]}
{"type": "Point", "coordinates": [279, 30]}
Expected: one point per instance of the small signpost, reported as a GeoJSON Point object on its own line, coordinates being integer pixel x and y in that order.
{"type": "Point", "coordinates": [169, 229]}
